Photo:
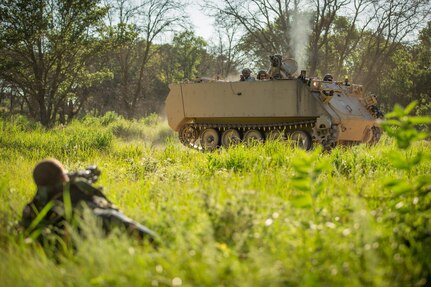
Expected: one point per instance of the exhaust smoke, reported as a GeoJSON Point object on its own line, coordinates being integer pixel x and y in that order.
{"type": "Point", "coordinates": [299, 33]}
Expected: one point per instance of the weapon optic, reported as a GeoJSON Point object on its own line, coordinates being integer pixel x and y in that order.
{"type": "Point", "coordinates": [91, 174]}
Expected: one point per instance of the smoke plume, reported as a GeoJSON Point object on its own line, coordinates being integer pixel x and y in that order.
{"type": "Point", "coordinates": [299, 33]}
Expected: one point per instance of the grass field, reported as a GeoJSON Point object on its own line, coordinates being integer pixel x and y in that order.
{"type": "Point", "coordinates": [265, 215]}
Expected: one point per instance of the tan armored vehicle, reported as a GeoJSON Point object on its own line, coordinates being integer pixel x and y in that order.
{"type": "Point", "coordinates": [210, 114]}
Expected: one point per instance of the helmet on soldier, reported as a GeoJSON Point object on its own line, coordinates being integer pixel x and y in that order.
{"type": "Point", "coordinates": [246, 72]}
{"type": "Point", "coordinates": [328, 77]}
{"type": "Point", "coordinates": [49, 172]}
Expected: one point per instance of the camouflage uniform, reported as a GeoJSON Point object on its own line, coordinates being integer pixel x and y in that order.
{"type": "Point", "coordinates": [52, 202]}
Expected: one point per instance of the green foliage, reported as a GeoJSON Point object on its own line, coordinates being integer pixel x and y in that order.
{"type": "Point", "coordinates": [307, 169]}
{"type": "Point", "coordinates": [20, 123]}
{"type": "Point", "coordinates": [260, 215]}
{"type": "Point", "coordinates": [45, 49]}
{"type": "Point", "coordinates": [408, 75]}
{"type": "Point", "coordinates": [182, 59]}
{"type": "Point", "coordinates": [34, 142]}
{"type": "Point", "coordinates": [397, 86]}
{"type": "Point", "coordinates": [412, 195]}
{"type": "Point", "coordinates": [402, 127]}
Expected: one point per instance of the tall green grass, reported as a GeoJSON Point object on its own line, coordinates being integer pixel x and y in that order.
{"type": "Point", "coordinates": [265, 215]}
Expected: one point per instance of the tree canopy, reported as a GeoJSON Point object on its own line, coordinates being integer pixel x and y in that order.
{"type": "Point", "coordinates": [60, 58]}
{"type": "Point", "coordinates": [45, 47]}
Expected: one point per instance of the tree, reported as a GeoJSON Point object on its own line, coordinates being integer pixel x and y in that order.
{"type": "Point", "coordinates": [409, 75]}
{"type": "Point", "coordinates": [325, 14]}
{"type": "Point", "coordinates": [397, 85]}
{"type": "Point", "coordinates": [392, 23]}
{"type": "Point", "coordinates": [131, 36]}
{"type": "Point", "coordinates": [189, 51]}
{"type": "Point", "coordinates": [181, 60]}
{"type": "Point", "coordinates": [265, 25]}
{"type": "Point", "coordinates": [227, 54]}
{"type": "Point", "coordinates": [422, 77]}
{"type": "Point", "coordinates": [169, 66]}
{"type": "Point", "coordinates": [155, 17]}
{"type": "Point", "coordinates": [44, 48]}
{"type": "Point", "coordinates": [121, 37]}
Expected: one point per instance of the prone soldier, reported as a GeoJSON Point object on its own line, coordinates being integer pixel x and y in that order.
{"type": "Point", "coordinates": [56, 189]}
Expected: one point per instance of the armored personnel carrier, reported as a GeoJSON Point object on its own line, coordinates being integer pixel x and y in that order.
{"type": "Point", "coordinates": [212, 114]}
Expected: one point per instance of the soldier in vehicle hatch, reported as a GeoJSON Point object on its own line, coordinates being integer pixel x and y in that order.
{"type": "Point", "coordinates": [277, 71]}
{"type": "Point", "coordinates": [59, 192]}
{"type": "Point", "coordinates": [246, 75]}
{"type": "Point", "coordinates": [262, 75]}
{"type": "Point", "coordinates": [328, 78]}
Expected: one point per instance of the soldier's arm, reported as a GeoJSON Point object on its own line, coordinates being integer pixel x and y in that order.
{"type": "Point", "coordinates": [111, 218]}
{"type": "Point", "coordinates": [28, 215]}
{"type": "Point", "coordinates": [89, 190]}
{"type": "Point", "coordinates": [91, 195]}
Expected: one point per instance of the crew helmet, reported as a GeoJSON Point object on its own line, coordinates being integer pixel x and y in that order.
{"type": "Point", "coordinates": [49, 172]}
{"type": "Point", "coordinates": [328, 77]}
{"type": "Point", "coordinates": [246, 72]}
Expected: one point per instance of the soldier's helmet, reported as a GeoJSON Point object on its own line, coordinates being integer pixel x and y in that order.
{"type": "Point", "coordinates": [49, 172]}
{"type": "Point", "coordinates": [328, 78]}
{"type": "Point", "coordinates": [246, 72]}
{"type": "Point", "coordinates": [276, 60]}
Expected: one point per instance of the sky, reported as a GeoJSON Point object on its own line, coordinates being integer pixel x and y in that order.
{"type": "Point", "coordinates": [203, 25]}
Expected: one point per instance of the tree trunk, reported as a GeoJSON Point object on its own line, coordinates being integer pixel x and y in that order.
{"type": "Point", "coordinates": [43, 113]}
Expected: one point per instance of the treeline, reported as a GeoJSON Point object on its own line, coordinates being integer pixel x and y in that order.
{"type": "Point", "coordinates": [60, 59]}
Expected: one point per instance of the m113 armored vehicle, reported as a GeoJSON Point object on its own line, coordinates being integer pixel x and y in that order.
{"type": "Point", "coordinates": [212, 114]}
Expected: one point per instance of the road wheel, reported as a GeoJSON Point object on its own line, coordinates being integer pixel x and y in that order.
{"type": "Point", "coordinates": [274, 135]}
{"type": "Point", "coordinates": [301, 139]}
{"type": "Point", "coordinates": [188, 135]}
{"type": "Point", "coordinates": [253, 135]}
{"type": "Point", "coordinates": [210, 139]}
{"type": "Point", "coordinates": [230, 137]}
